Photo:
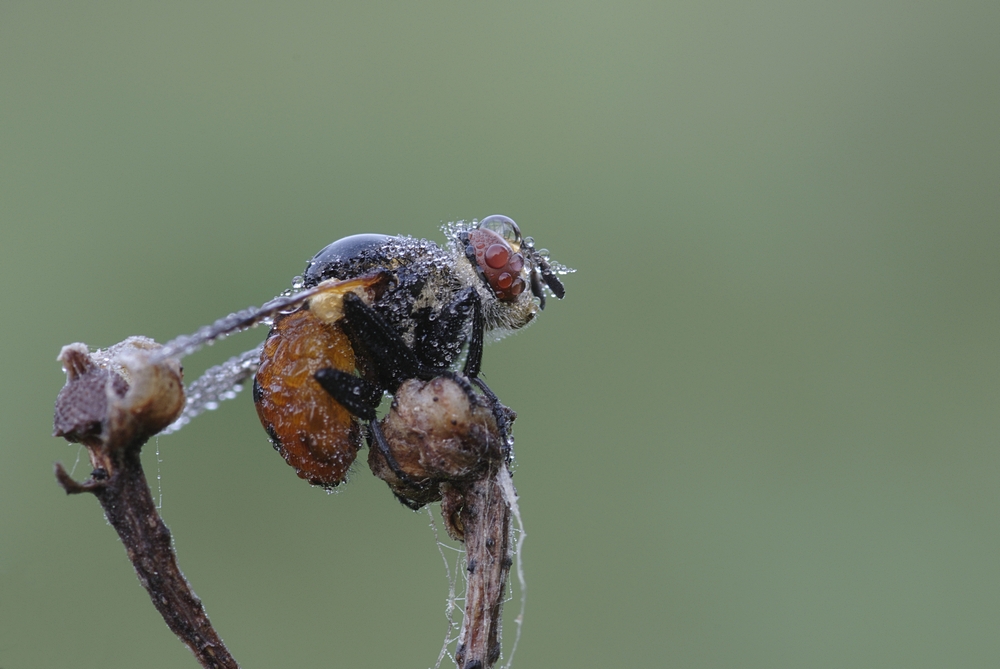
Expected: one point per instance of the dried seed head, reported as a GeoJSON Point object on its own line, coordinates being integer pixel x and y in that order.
{"type": "Point", "coordinates": [119, 396]}
{"type": "Point", "coordinates": [438, 432]}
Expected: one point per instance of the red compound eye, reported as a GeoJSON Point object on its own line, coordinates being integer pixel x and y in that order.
{"type": "Point", "coordinates": [497, 256]}
{"type": "Point", "coordinates": [499, 264]}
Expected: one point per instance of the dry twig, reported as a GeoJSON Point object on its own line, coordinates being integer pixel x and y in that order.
{"type": "Point", "coordinates": [112, 403]}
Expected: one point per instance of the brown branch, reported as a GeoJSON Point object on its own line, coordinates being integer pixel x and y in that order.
{"type": "Point", "coordinates": [443, 441]}
{"type": "Point", "coordinates": [113, 401]}
{"type": "Point", "coordinates": [485, 517]}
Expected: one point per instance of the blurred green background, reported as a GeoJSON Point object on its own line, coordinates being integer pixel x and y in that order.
{"type": "Point", "coordinates": [761, 431]}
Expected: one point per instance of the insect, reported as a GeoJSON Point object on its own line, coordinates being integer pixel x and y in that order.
{"type": "Point", "coordinates": [391, 309]}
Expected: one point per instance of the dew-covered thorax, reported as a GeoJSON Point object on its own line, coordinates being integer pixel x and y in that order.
{"type": "Point", "coordinates": [422, 279]}
{"type": "Point", "coordinates": [509, 276]}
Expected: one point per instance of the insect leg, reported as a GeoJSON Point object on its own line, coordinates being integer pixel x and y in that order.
{"type": "Point", "coordinates": [377, 441]}
{"type": "Point", "coordinates": [439, 338]}
{"type": "Point", "coordinates": [354, 393]}
{"type": "Point", "coordinates": [474, 359]}
{"type": "Point", "coordinates": [503, 415]}
{"type": "Point", "coordinates": [395, 361]}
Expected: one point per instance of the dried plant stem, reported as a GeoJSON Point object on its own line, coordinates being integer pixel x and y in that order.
{"type": "Point", "coordinates": [129, 507]}
{"type": "Point", "coordinates": [112, 403]}
{"type": "Point", "coordinates": [486, 517]}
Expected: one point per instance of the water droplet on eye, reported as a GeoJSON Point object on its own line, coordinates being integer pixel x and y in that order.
{"type": "Point", "coordinates": [503, 226]}
{"type": "Point", "coordinates": [297, 283]}
{"type": "Point", "coordinates": [211, 406]}
{"type": "Point", "coordinates": [497, 256]}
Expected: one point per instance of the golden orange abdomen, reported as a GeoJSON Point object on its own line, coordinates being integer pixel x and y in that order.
{"type": "Point", "coordinates": [315, 434]}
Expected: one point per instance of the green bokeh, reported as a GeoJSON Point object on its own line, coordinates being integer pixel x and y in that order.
{"type": "Point", "coordinates": [761, 431]}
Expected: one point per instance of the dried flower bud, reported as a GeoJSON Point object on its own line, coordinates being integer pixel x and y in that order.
{"type": "Point", "coordinates": [119, 396]}
{"type": "Point", "coordinates": [438, 432]}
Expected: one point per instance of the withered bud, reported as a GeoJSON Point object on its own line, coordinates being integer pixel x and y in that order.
{"type": "Point", "coordinates": [118, 396]}
{"type": "Point", "coordinates": [438, 432]}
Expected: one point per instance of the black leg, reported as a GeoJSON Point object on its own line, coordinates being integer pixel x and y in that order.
{"type": "Point", "coordinates": [503, 415]}
{"type": "Point", "coordinates": [370, 333]}
{"type": "Point", "coordinates": [438, 341]}
{"type": "Point", "coordinates": [408, 503]}
{"type": "Point", "coordinates": [397, 362]}
{"type": "Point", "coordinates": [378, 442]}
{"type": "Point", "coordinates": [352, 392]}
{"type": "Point", "coordinates": [474, 360]}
